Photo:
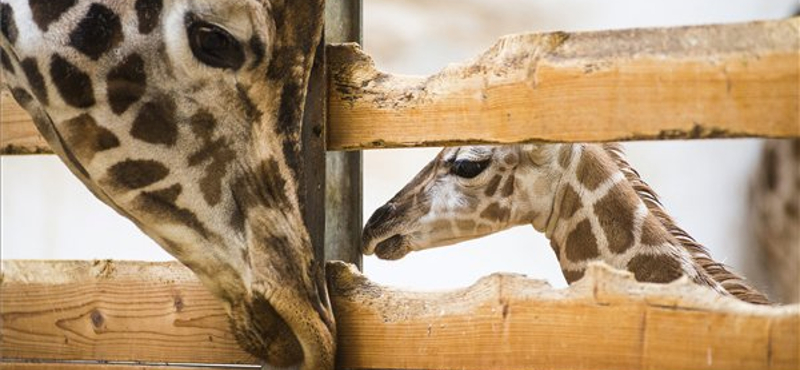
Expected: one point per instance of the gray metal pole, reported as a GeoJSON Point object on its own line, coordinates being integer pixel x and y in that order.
{"type": "Point", "coordinates": [343, 200]}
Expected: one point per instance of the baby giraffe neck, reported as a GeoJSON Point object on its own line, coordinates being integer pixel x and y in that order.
{"type": "Point", "coordinates": [598, 216]}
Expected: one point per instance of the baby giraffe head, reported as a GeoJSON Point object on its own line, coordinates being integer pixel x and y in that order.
{"type": "Point", "coordinates": [465, 193]}
{"type": "Point", "coordinates": [184, 116]}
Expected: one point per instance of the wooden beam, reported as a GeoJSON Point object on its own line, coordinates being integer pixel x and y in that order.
{"type": "Point", "coordinates": [136, 311]}
{"type": "Point", "coordinates": [730, 80]}
{"type": "Point", "coordinates": [113, 311]}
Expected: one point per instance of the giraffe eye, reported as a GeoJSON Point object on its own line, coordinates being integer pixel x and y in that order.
{"type": "Point", "coordinates": [214, 46]}
{"type": "Point", "coordinates": [468, 169]}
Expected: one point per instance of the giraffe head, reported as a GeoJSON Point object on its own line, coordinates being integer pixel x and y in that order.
{"type": "Point", "coordinates": [184, 116]}
{"type": "Point", "coordinates": [465, 193]}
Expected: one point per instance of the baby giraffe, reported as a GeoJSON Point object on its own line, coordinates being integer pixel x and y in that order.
{"type": "Point", "coordinates": [586, 198]}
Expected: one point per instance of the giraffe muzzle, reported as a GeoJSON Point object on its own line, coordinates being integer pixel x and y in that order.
{"type": "Point", "coordinates": [393, 248]}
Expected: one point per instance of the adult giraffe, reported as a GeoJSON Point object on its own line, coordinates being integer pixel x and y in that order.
{"type": "Point", "coordinates": [184, 116]}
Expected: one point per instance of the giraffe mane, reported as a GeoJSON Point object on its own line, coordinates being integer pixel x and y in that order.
{"type": "Point", "coordinates": [731, 282]}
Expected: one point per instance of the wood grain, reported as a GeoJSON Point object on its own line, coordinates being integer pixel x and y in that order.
{"type": "Point", "coordinates": [113, 311]}
{"type": "Point", "coordinates": [732, 80]}
{"type": "Point", "coordinates": [121, 311]}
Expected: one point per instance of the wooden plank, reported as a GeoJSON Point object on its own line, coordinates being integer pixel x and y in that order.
{"type": "Point", "coordinates": [113, 311]}
{"type": "Point", "coordinates": [106, 366]}
{"type": "Point", "coordinates": [732, 80]}
{"type": "Point", "coordinates": [605, 321]}
{"type": "Point", "coordinates": [130, 310]}
{"type": "Point", "coordinates": [729, 80]}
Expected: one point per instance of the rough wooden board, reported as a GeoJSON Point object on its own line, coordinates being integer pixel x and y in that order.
{"type": "Point", "coordinates": [131, 311]}
{"type": "Point", "coordinates": [116, 311]}
{"type": "Point", "coordinates": [606, 321]}
{"type": "Point", "coordinates": [688, 82]}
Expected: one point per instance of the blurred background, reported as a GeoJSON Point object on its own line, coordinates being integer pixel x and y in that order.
{"type": "Point", "coordinates": [48, 214]}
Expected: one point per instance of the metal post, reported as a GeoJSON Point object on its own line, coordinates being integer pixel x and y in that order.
{"type": "Point", "coordinates": [343, 178]}
{"type": "Point", "coordinates": [312, 184]}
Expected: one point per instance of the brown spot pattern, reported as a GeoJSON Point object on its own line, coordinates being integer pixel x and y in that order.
{"type": "Point", "coordinates": [7, 24]}
{"type": "Point", "coordinates": [592, 171]}
{"type": "Point", "coordinates": [264, 185]}
{"type": "Point", "coordinates": [570, 203]}
{"type": "Point", "coordinates": [86, 137]}
{"type": "Point", "coordinates": [160, 205]}
{"type": "Point", "coordinates": [658, 268]}
{"type": "Point", "coordinates": [21, 96]}
{"type": "Point", "coordinates": [572, 276]}
{"type": "Point", "coordinates": [791, 208]}
{"type": "Point", "coordinates": [137, 173]}
{"type": "Point", "coordinates": [156, 122]}
{"type": "Point", "coordinates": [496, 213]}
{"type": "Point", "coordinates": [126, 83]}
{"type": "Point", "coordinates": [615, 211]}
{"type": "Point", "coordinates": [35, 79]}
{"type": "Point", "coordinates": [74, 86]}
{"type": "Point", "coordinates": [565, 156]}
{"type": "Point", "coordinates": [203, 124]}
{"type": "Point", "coordinates": [6, 62]}
{"type": "Point", "coordinates": [494, 183]}
{"type": "Point", "coordinates": [465, 224]}
{"type": "Point", "coordinates": [148, 13]}
{"type": "Point", "coordinates": [508, 188]}
{"type": "Point", "coordinates": [220, 155]}
{"type": "Point", "coordinates": [581, 245]}
{"type": "Point", "coordinates": [653, 232]}
{"type": "Point", "coordinates": [48, 11]}
{"type": "Point", "coordinates": [98, 32]}
{"type": "Point", "coordinates": [442, 225]}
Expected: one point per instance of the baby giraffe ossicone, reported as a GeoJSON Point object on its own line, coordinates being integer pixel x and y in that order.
{"type": "Point", "coordinates": [588, 201]}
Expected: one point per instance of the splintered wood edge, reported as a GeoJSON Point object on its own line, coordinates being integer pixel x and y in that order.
{"type": "Point", "coordinates": [732, 80]}
{"type": "Point", "coordinates": [503, 321]}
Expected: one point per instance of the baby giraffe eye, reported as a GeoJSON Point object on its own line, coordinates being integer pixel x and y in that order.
{"type": "Point", "coordinates": [468, 169]}
{"type": "Point", "coordinates": [214, 46]}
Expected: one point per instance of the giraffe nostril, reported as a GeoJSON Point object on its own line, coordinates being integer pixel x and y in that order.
{"type": "Point", "coordinates": [380, 215]}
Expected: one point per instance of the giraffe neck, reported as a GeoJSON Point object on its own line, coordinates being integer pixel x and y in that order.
{"type": "Point", "coordinates": [603, 211]}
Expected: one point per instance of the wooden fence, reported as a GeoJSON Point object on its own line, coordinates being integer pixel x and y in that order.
{"type": "Point", "coordinates": [736, 80]}
{"type": "Point", "coordinates": [157, 313]}
{"type": "Point", "coordinates": [690, 82]}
